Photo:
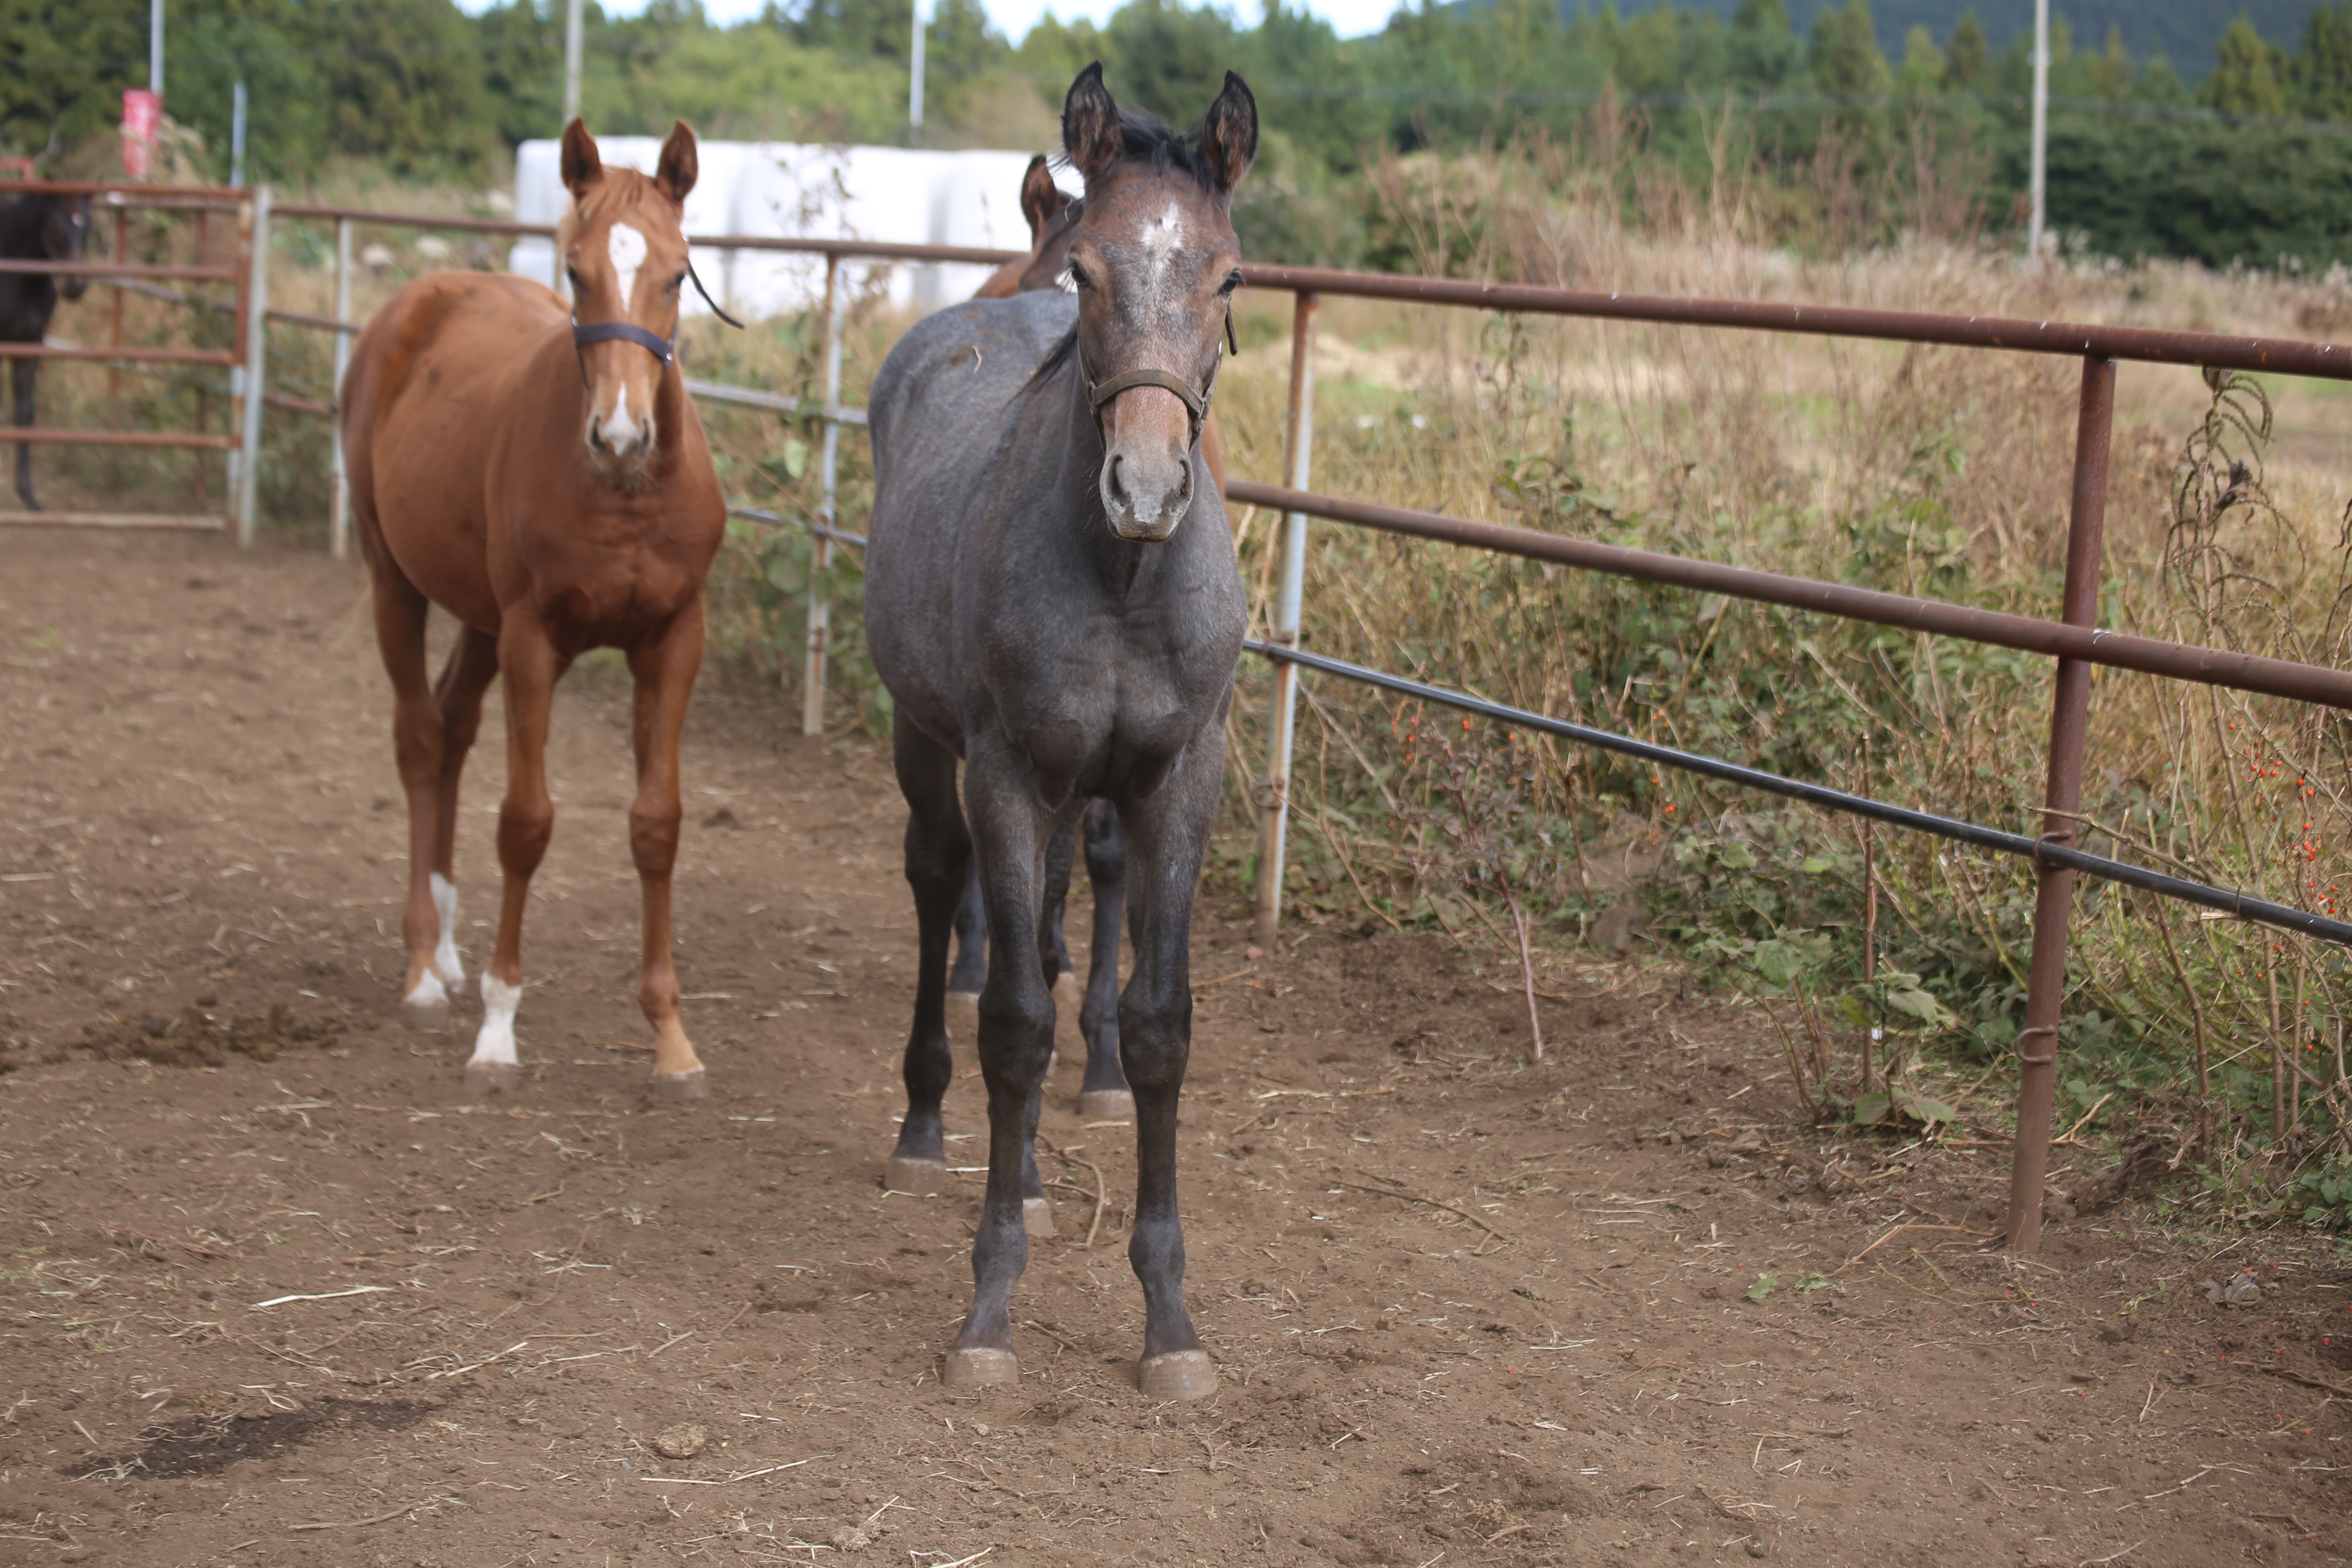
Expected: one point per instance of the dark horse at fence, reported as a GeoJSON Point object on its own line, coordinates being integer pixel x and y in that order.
{"type": "Point", "coordinates": [1052, 599]}
{"type": "Point", "coordinates": [36, 228]}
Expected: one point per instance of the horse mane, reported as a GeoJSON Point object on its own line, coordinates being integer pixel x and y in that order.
{"type": "Point", "coordinates": [1160, 144]}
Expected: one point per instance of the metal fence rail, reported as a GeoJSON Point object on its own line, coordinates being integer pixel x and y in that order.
{"type": "Point", "coordinates": [2075, 639]}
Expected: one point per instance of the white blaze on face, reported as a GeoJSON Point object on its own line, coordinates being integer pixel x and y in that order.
{"type": "Point", "coordinates": [495, 1045]}
{"type": "Point", "coordinates": [627, 248]}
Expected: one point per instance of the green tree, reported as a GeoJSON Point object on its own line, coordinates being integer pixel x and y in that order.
{"type": "Point", "coordinates": [1924, 67]}
{"type": "Point", "coordinates": [2322, 72]}
{"type": "Point", "coordinates": [1762, 51]}
{"type": "Point", "coordinates": [1966, 54]}
{"type": "Point", "coordinates": [2249, 73]}
{"type": "Point", "coordinates": [2113, 71]}
{"type": "Point", "coordinates": [1844, 58]}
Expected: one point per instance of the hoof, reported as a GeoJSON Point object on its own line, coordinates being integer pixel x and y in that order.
{"type": "Point", "coordinates": [963, 1015]}
{"type": "Point", "coordinates": [1037, 1217]}
{"type": "Point", "coordinates": [924, 1178]}
{"type": "Point", "coordinates": [1178, 1374]}
{"type": "Point", "coordinates": [1107, 1105]}
{"type": "Point", "coordinates": [432, 1014]}
{"type": "Point", "coordinates": [680, 1085]}
{"type": "Point", "coordinates": [493, 1078]}
{"type": "Point", "coordinates": [979, 1368]}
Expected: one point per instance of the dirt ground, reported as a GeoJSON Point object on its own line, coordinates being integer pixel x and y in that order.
{"type": "Point", "coordinates": [277, 1292]}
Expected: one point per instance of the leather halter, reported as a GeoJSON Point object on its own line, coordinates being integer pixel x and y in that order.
{"type": "Point", "coordinates": [661, 348]}
{"type": "Point", "coordinates": [1196, 403]}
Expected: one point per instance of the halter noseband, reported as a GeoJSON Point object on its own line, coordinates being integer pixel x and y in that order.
{"type": "Point", "coordinates": [1196, 403]}
{"type": "Point", "coordinates": [661, 348]}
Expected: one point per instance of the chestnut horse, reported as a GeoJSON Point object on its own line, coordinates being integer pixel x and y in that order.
{"type": "Point", "coordinates": [1051, 598]}
{"type": "Point", "coordinates": [539, 472]}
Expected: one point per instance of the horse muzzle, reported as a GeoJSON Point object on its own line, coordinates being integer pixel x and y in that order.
{"type": "Point", "coordinates": [621, 438]}
{"type": "Point", "coordinates": [1145, 494]}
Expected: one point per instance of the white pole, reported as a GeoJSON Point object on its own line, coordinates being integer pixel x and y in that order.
{"type": "Point", "coordinates": [339, 515]}
{"type": "Point", "coordinates": [2041, 122]}
{"type": "Point", "coordinates": [155, 49]}
{"type": "Point", "coordinates": [820, 581]}
{"type": "Point", "coordinates": [257, 338]}
{"type": "Point", "coordinates": [237, 136]}
{"type": "Point", "coordinates": [570, 61]}
{"type": "Point", "coordinates": [914, 77]}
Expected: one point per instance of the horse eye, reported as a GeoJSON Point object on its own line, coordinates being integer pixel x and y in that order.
{"type": "Point", "coordinates": [678, 282]}
{"type": "Point", "coordinates": [1078, 278]}
{"type": "Point", "coordinates": [1232, 281]}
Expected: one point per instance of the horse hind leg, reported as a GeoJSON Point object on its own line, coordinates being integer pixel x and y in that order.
{"type": "Point", "coordinates": [970, 972]}
{"type": "Point", "coordinates": [416, 744]}
{"type": "Point", "coordinates": [939, 866]}
{"type": "Point", "coordinates": [22, 373]}
{"type": "Point", "coordinates": [1104, 1096]}
{"type": "Point", "coordinates": [472, 666]}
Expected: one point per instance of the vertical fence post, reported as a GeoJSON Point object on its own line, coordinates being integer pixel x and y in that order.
{"type": "Point", "coordinates": [1275, 803]}
{"type": "Point", "coordinates": [2046, 991]}
{"type": "Point", "coordinates": [257, 339]}
{"type": "Point", "coordinates": [820, 585]}
{"type": "Point", "coordinates": [235, 456]}
{"type": "Point", "coordinates": [339, 504]}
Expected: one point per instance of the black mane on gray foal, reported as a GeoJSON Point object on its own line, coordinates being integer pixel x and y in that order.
{"type": "Point", "coordinates": [1053, 602]}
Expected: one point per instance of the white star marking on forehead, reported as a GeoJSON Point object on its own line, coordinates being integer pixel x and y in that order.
{"type": "Point", "coordinates": [627, 248]}
{"type": "Point", "coordinates": [1160, 238]}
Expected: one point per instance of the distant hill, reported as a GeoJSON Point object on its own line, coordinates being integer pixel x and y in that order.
{"type": "Point", "coordinates": [2186, 30]}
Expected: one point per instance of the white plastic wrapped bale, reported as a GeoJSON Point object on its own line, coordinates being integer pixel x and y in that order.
{"type": "Point", "coordinates": [787, 189]}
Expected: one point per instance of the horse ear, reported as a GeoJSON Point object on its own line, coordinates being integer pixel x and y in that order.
{"type": "Point", "coordinates": [1091, 129]}
{"type": "Point", "coordinates": [1229, 132]}
{"type": "Point", "coordinates": [676, 172]}
{"type": "Point", "coordinates": [582, 167]}
{"type": "Point", "coordinates": [1041, 200]}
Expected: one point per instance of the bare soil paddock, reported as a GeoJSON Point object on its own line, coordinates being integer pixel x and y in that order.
{"type": "Point", "coordinates": [273, 1290]}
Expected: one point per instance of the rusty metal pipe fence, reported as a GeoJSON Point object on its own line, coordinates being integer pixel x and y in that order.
{"type": "Point", "coordinates": [246, 276]}
{"type": "Point", "coordinates": [2074, 640]}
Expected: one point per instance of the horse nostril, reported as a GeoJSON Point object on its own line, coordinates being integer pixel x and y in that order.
{"type": "Point", "coordinates": [1118, 486]}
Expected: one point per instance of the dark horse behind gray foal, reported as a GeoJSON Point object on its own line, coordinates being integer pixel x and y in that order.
{"type": "Point", "coordinates": [1051, 597]}
{"type": "Point", "coordinates": [36, 228]}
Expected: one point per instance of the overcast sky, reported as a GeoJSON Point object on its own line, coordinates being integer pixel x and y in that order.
{"type": "Point", "coordinates": [1016, 16]}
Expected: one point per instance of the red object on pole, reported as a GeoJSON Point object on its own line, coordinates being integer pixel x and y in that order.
{"type": "Point", "coordinates": [142, 116]}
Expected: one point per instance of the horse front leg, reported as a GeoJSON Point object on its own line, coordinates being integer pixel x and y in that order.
{"type": "Point", "coordinates": [1104, 1095]}
{"type": "Point", "coordinates": [937, 862]}
{"type": "Point", "coordinates": [665, 671]}
{"type": "Point", "coordinates": [526, 823]}
{"type": "Point", "coordinates": [1017, 1043]}
{"type": "Point", "coordinates": [1168, 834]}
{"type": "Point", "coordinates": [21, 376]}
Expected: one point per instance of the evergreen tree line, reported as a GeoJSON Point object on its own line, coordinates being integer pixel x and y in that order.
{"type": "Point", "coordinates": [2253, 166]}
